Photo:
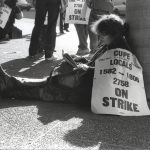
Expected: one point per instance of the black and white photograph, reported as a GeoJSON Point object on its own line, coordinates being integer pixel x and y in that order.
{"type": "Point", "coordinates": [74, 75]}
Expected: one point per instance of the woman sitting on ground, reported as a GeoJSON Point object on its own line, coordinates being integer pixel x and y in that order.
{"type": "Point", "coordinates": [60, 86]}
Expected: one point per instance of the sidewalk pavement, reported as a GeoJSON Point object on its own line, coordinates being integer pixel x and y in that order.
{"type": "Point", "coordinates": [33, 124]}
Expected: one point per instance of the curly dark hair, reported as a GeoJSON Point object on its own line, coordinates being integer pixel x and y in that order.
{"type": "Point", "coordinates": [109, 25]}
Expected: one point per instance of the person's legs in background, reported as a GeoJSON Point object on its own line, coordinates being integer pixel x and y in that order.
{"type": "Point", "coordinates": [50, 40]}
{"type": "Point", "coordinates": [66, 27]}
{"type": "Point", "coordinates": [82, 32]}
{"type": "Point", "coordinates": [39, 23]}
{"type": "Point", "coordinates": [61, 25]}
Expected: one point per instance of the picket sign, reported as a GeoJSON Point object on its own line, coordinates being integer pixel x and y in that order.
{"type": "Point", "coordinates": [4, 15]}
{"type": "Point", "coordinates": [118, 86]}
{"type": "Point", "coordinates": [77, 12]}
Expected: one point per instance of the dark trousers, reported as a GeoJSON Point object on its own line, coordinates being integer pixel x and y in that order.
{"type": "Point", "coordinates": [82, 32]}
{"type": "Point", "coordinates": [23, 88]}
{"type": "Point", "coordinates": [63, 26]}
{"type": "Point", "coordinates": [42, 7]}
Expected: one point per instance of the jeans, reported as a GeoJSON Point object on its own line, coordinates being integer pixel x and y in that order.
{"type": "Point", "coordinates": [42, 7]}
{"type": "Point", "coordinates": [82, 32]}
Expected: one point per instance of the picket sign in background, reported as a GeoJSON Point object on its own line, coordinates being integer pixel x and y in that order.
{"type": "Point", "coordinates": [118, 89]}
{"type": "Point", "coordinates": [4, 15]}
{"type": "Point", "coordinates": [77, 12]}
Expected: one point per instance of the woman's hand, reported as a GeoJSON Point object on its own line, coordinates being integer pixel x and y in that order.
{"type": "Point", "coordinates": [83, 66]}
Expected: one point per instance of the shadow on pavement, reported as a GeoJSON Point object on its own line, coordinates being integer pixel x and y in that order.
{"type": "Point", "coordinates": [130, 133]}
{"type": "Point", "coordinates": [110, 131]}
{"type": "Point", "coordinates": [29, 68]}
{"type": "Point", "coordinates": [47, 111]}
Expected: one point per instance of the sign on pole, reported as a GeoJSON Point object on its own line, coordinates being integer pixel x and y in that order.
{"type": "Point", "coordinates": [118, 86]}
{"type": "Point", "coordinates": [77, 12]}
{"type": "Point", "coordinates": [4, 15]}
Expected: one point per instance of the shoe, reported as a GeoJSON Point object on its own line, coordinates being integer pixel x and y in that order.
{"type": "Point", "coordinates": [50, 58]}
{"type": "Point", "coordinates": [82, 52]}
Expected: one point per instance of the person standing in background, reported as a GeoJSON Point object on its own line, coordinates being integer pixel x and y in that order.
{"type": "Point", "coordinates": [63, 26]}
{"type": "Point", "coordinates": [98, 8]}
{"type": "Point", "coordinates": [42, 7]}
{"type": "Point", "coordinates": [82, 32]}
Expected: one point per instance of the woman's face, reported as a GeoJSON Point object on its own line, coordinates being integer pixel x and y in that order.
{"type": "Point", "coordinates": [105, 39]}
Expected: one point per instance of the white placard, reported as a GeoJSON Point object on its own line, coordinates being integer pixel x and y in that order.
{"type": "Point", "coordinates": [4, 15]}
{"type": "Point", "coordinates": [77, 12]}
{"type": "Point", "coordinates": [118, 86]}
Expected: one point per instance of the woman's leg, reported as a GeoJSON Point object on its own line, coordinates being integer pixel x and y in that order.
{"type": "Point", "coordinates": [25, 88]}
